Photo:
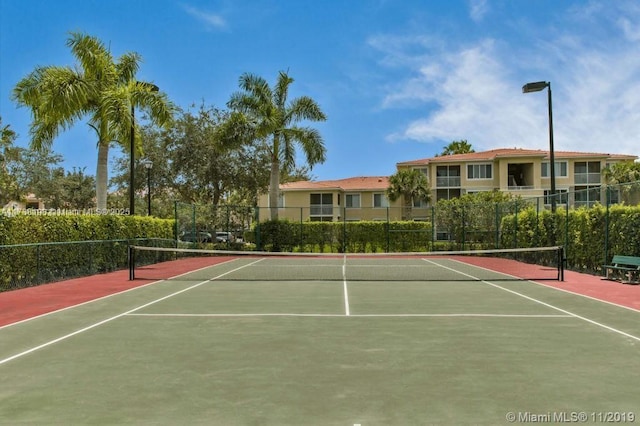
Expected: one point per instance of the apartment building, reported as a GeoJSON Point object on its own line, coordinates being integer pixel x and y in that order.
{"type": "Point", "coordinates": [355, 198]}
{"type": "Point", "coordinates": [517, 171]}
{"type": "Point", "coordinates": [522, 172]}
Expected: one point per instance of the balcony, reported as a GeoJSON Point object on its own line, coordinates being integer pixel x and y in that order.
{"type": "Point", "coordinates": [321, 210]}
{"type": "Point", "coordinates": [587, 178]}
{"type": "Point", "coordinates": [448, 181]}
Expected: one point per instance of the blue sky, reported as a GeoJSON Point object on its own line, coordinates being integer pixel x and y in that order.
{"type": "Point", "coordinates": [398, 79]}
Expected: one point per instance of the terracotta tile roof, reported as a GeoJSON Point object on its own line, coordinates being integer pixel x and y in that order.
{"type": "Point", "coordinates": [512, 152]}
{"type": "Point", "coordinates": [361, 183]}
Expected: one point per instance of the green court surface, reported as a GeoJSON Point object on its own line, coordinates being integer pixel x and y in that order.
{"type": "Point", "coordinates": [205, 349]}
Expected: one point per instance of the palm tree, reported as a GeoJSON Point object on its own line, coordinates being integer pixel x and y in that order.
{"type": "Point", "coordinates": [458, 147]}
{"type": "Point", "coordinates": [9, 187]}
{"type": "Point", "coordinates": [273, 119]}
{"type": "Point", "coordinates": [101, 89]}
{"type": "Point", "coordinates": [410, 184]}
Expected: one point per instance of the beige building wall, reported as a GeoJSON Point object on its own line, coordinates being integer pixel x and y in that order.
{"type": "Point", "coordinates": [519, 174]}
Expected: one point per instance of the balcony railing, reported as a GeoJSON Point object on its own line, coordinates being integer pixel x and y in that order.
{"type": "Point", "coordinates": [321, 210]}
{"type": "Point", "coordinates": [521, 187]}
{"type": "Point", "coordinates": [587, 178]}
{"type": "Point", "coordinates": [448, 181]}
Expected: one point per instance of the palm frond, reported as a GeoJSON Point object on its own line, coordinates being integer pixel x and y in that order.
{"type": "Point", "coordinates": [305, 108]}
{"type": "Point", "coordinates": [95, 59]}
{"type": "Point", "coordinates": [127, 66]}
{"type": "Point", "coordinates": [281, 92]}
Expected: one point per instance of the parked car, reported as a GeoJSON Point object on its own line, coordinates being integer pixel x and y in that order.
{"type": "Point", "coordinates": [196, 237]}
{"type": "Point", "coordinates": [224, 237]}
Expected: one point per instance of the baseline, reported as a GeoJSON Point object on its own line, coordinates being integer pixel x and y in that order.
{"type": "Point", "coordinates": [596, 323]}
{"type": "Point", "coordinates": [357, 315]}
{"type": "Point", "coordinates": [82, 330]}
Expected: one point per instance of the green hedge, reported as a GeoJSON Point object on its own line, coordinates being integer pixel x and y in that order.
{"type": "Point", "coordinates": [41, 249]}
{"type": "Point", "coordinates": [591, 236]}
{"type": "Point", "coordinates": [26, 229]}
{"type": "Point", "coordinates": [338, 237]}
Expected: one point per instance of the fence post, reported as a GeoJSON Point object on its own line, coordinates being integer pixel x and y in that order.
{"type": "Point", "coordinates": [344, 229]}
{"type": "Point", "coordinates": [301, 242]}
{"type": "Point", "coordinates": [388, 230]}
{"type": "Point", "coordinates": [497, 225]}
{"type": "Point", "coordinates": [175, 216]}
{"type": "Point", "coordinates": [606, 228]}
{"type": "Point", "coordinates": [515, 225]}
{"type": "Point", "coordinates": [464, 228]}
{"type": "Point", "coordinates": [433, 228]}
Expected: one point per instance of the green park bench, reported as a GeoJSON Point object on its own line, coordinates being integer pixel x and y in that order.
{"type": "Point", "coordinates": [628, 266]}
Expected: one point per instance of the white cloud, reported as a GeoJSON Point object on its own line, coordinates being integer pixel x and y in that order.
{"type": "Point", "coordinates": [474, 91]}
{"type": "Point", "coordinates": [478, 9]}
{"type": "Point", "coordinates": [211, 20]}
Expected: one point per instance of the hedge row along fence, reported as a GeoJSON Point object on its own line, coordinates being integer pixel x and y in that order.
{"type": "Point", "coordinates": [37, 249]}
{"type": "Point", "coordinates": [591, 237]}
{"type": "Point", "coordinates": [42, 249]}
{"type": "Point", "coordinates": [338, 237]}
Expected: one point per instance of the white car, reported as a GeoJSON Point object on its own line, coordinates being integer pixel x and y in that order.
{"type": "Point", "coordinates": [224, 237]}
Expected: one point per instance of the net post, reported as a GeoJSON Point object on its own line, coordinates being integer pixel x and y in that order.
{"type": "Point", "coordinates": [561, 261]}
{"type": "Point", "coordinates": [131, 262]}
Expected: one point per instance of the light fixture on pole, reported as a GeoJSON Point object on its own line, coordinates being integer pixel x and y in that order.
{"type": "Point", "coordinates": [148, 164]}
{"type": "Point", "coordinates": [132, 146]}
{"type": "Point", "coordinates": [536, 87]}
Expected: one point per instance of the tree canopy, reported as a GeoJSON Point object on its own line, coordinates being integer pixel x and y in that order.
{"type": "Point", "coordinates": [98, 87]}
{"type": "Point", "coordinates": [412, 186]}
{"type": "Point", "coordinates": [273, 118]}
{"type": "Point", "coordinates": [457, 147]}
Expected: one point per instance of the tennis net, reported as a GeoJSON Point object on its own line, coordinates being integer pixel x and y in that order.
{"type": "Point", "coordinates": [156, 263]}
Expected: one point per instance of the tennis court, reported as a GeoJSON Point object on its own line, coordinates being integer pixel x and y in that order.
{"type": "Point", "coordinates": [324, 340]}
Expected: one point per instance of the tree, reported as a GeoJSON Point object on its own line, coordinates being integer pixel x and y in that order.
{"type": "Point", "coordinates": [625, 175]}
{"type": "Point", "coordinates": [75, 190]}
{"type": "Point", "coordinates": [475, 217]}
{"type": "Point", "coordinates": [622, 172]}
{"type": "Point", "coordinates": [410, 184]}
{"type": "Point", "coordinates": [273, 119]}
{"type": "Point", "coordinates": [194, 163]}
{"type": "Point", "coordinates": [9, 156]}
{"type": "Point", "coordinates": [103, 89]}
{"type": "Point", "coordinates": [38, 173]}
{"type": "Point", "coordinates": [458, 147]}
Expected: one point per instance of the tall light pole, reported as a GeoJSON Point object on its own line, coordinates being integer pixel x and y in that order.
{"type": "Point", "coordinates": [132, 145]}
{"type": "Point", "coordinates": [536, 87]}
{"type": "Point", "coordinates": [148, 164]}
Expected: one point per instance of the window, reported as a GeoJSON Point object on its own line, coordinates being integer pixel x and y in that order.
{"type": "Point", "coordinates": [352, 200]}
{"type": "Point", "coordinates": [562, 196]}
{"type": "Point", "coordinates": [447, 193]}
{"type": "Point", "coordinates": [423, 170]}
{"type": "Point", "coordinates": [561, 169]}
{"type": "Point", "coordinates": [380, 200]}
{"type": "Point", "coordinates": [587, 195]}
{"type": "Point", "coordinates": [321, 206]}
{"type": "Point", "coordinates": [479, 171]}
{"type": "Point", "coordinates": [448, 176]}
{"type": "Point", "coordinates": [420, 203]}
{"type": "Point", "coordinates": [613, 195]}
{"type": "Point", "coordinates": [587, 172]}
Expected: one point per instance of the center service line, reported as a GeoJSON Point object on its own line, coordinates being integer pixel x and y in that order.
{"type": "Point", "coordinates": [344, 286]}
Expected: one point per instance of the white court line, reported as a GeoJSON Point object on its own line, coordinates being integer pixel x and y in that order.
{"type": "Point", "coordinates": [66, 336]}
{"type": "Point", "coordinates": [358, 315]}
{"type": "Point", "coordinates": [564, 290]}
{"type": "Point", "coordinates": [347, 311]}
{"type": "Point", "coordinates": [112, 294]}
{"type": "Point", "coordinates": [606, 327]}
